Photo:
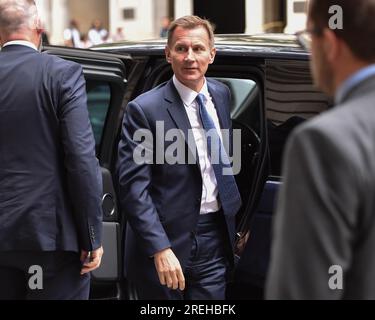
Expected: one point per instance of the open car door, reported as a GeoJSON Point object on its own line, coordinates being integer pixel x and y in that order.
{"type": "Point", "coordinates": [106, 83]}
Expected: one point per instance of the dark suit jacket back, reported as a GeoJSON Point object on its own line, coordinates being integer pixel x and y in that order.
{"type": "Point", "coordinates": [50, 182]}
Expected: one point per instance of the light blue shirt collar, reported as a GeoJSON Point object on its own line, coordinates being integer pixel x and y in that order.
{"type": "Point", "coordinates": [353, 81]}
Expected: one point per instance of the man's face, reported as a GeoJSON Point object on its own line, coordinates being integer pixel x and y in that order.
{"type": "Point", "coordinates": [190, 53]}
{"type": "Point", "coordinates": [97, 24]}
{"type": "Point", "coordinates": [321, 68]}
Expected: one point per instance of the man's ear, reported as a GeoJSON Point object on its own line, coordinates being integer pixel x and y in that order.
{"type": "Point", "coordinates": [38, 25]}
{"type": "Point", "coordinates": [212, 55]}
{"type": "Point", "coordinates": [332, 45]}
{"type": "Point", "coordinates": [168, 54]}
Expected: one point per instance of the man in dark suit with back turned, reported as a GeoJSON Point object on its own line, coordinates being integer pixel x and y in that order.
{"type": "Point", "coordinates": [50, 182]}
{"type": "Point", "coordinates": [324, 229]}
{"type": "Point", "coordinates": [181, 217]}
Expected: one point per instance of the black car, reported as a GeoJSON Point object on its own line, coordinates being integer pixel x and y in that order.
{"type": "Point", "coordinates": [272, 93]}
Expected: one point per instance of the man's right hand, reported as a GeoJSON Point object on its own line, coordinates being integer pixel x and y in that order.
{"type": "Point", "coordinates": [91, 261]}
{"type": "Point", "coordinates": [169, 270]}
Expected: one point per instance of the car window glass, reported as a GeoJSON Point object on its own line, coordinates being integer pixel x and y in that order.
{"type": "Point", "coordinates": [245, 101]}
{"type": "Point", "coordinates": [245, 114]}
{"type": "Point", "coordinates": [291, 99]}
{"type": "Point", "coordinates": [98, 101]}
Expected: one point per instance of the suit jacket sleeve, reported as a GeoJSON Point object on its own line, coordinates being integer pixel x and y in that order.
{"type": "Point", "coordinates": [135, 183]}
{"type": "Point", "coordinates": [82, 168]}
{"type": "Point", "coordinates": [315, 216]}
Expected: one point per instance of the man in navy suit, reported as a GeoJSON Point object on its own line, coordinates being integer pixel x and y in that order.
{"type": "Point", "coordinates": [50, 182]}
{"type": "Point", "coordinates": [181, 216]}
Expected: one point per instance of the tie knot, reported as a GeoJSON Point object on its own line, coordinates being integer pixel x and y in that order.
{"type": "Point", "coordinates": [201, 99]}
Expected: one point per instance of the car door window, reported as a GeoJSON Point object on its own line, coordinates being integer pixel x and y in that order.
{"type": "Point", "coordinates": [98, 102]}
{"type": "Point", "coordinates": [291, 99]}
{"type": "Point", "coordinates": [245, 101]}
{"type": "Point", "coordinates": [245, 114]}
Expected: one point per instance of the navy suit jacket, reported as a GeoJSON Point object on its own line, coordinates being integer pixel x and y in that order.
{"type": "Point", "coordinates": [162, 201]}
{"type": "Point", "coordinates": [50, 182]}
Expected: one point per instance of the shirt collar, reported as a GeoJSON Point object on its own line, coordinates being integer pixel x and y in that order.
{"type": "Point", "coordinates": [188, 95]}
{"type": "Point", "coordinates": [353, 81]}
{"type": "Point", "coordinates": [21, 43]}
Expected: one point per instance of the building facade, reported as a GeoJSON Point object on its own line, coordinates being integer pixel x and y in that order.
{"type": "Point", "coordinates": [141, 19]}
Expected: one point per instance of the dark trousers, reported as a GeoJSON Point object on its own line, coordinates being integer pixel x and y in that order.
{"type": "Point", "coordinates": [207, 269]}
{"type": "Point", "coordinates": [61, 279]}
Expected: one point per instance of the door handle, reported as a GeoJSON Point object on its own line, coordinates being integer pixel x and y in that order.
{"type": "Point", "coordinates": [108, 205]}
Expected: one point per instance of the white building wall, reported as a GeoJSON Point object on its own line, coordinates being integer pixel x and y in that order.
{"type": "Point", "coordinates": [254, 16]}
{"type": "Point", "coordinates": [145, 25]}
{"type": "Point", "coordinates": [142, 26]}
{"type": "Point", "coordinates": [160, 11]}
{"type": "Point", "coordinates": [60, 19]}
{"type": "Point", "coordinates": [183, 8]}
{"type": "Point", "coordinates": [55, 17]}
{"type": "Point", "coordinates": [296, 21]}
{"type": "Point", "coordinates": [44, 8]}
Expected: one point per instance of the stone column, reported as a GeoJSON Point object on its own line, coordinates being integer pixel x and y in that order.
{"type": "Point", "coordinates": [60, 21]}
{"type": "Point", "coordinates": [44, 11]}
{"type": "Point", "coordinates": [183, 8]}
{"type": "Point", "coordinates": [114, 15]}
{"type": "Point", "coordinates": [254, 16]}
{"type": "Point", "coordinates": [160, 11]}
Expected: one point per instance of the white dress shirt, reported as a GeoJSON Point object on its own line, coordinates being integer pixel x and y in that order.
{"type": "Point", "coordinates": [210, 202]}
{"type": "Point", "coordinates": [73, 35]}
{"type": "Point", "coordinates": [97, 36]}
{"type": "Point", "coordinates": [21, 43]}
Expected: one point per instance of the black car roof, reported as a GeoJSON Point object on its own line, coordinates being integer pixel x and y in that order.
{"type": "Point", "coordinates": [262, 46]}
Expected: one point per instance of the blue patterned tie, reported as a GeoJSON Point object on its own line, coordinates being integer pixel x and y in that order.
{"type": "Point", "coordinates": [229, 195]}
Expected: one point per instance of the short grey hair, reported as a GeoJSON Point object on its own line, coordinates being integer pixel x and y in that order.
{"type": "Point", "coordinates": [17, 14]}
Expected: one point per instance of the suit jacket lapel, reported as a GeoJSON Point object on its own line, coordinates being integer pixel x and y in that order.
{"type": "Point", "coordinates": [177, 111]}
